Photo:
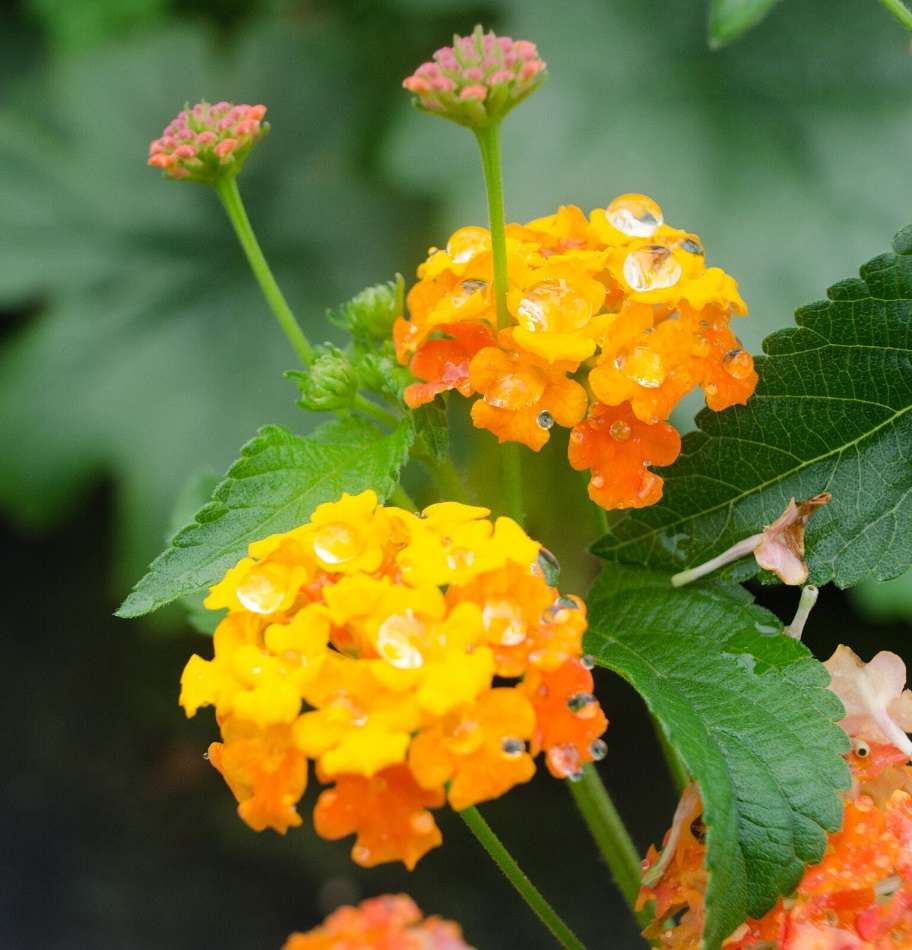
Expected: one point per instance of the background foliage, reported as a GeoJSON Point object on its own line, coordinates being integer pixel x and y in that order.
{"type": "Point", "coordinates": [135, 351]}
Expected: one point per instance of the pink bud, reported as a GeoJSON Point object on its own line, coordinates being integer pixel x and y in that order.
{"type": "Point", "coordinates": [473, 73]}
{"type": "Point", "coordinates": [416, 84]}
{"type": "Point", "coordinates": [185, 151]}
{"type": "Point", "coordinates": [257, 112]}
{"type": "Point", "coordinates": [525, 49]}
{"type": "Point", "coordinates": [225, 148]}
{"type": "Point", "coordinates": [502, 75]}
{"type": "Point", "coordinates": [206, 138]}
{"type": "Point", "coordinates": [531, 68]}
{"type": "Point", "coordinates": [474, 92]}
{"type": "Point", "coordinates": [443, 85]}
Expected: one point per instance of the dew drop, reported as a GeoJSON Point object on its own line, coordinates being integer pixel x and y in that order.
{"type": "Point", "coordinates": [259, 595]}
{"type": "Point", "coordinates": [206, 756]}
{"type": "Point", "coordinates": [361, 854]}
{"type": "Point", "coordinates": [619, 430]}
{"type": "Point", "coordinates": [652, 267]}
{"type": "Point", "coordinates": [549, 566]}
{"type": "Point", "coordinates": [635, 215]}
{"type": "Point", "coordinates": [587, 662]}
{"type": "Point", "coordinates": [597, 481]}
{"type": "Point", "coordinates": [645, 367]}
{"type": "Point", "coordinates": [738, 363]}
{"type": "Point", "coordinates": [576, 776]}
{"type": "Point", "coordinates": [513, 748]}
{"type": "Point", "coordinates": [598, 749]}
{"type": "Point", "coordinates": [467, 243]}
{"type": "Point", "coordinates": [553, 305]}
{"type": "Point", "coordinates": [337, 543]}
{"type": "Point", "coordinates": [395, 641]}
{"type": "Point", "coordinates": [691, 246]}
{"type": "Point", "coordinates": [564, 760]}
{"type": "Point", "coordinates": [422, 823]}
{"type": "Point", "coordinates": [544, 420]}
{"type": "Point", "coordinates": [503, 622]}
{"type": "Point", "coordinates": [578, 702]}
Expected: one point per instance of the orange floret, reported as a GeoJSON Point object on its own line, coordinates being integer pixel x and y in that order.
{"type": "Point", "coordinates": [568, 718]}
{"type": "Point", "coordinates": [388, 812]}
{"type": "Point", "coordinates": [390, 922]}
{"type": "Point", "coordinates": [523, 396]}
{"type": "Point", "coordinates": [264, 771]}
{"type": "Point", "coordinates": [718, 363]}
{"type": "Point", "coordinates": [619, 449]}
{"type": "Point", "coordinates": [480, 751]}
{"type": "Point", "coordinates": [443, 364]}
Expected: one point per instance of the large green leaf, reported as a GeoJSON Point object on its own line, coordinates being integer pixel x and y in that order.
{"type": "Point", "coordinates": [831, 413]}
{"type": "Point", "coordinates": [152, 352]}
{"type": "Point", "coordinates": [275, 485]}
{"type": "Point", "coordinates": [748, 711]}
{"type": "Point", "coordinates": [728, 19]}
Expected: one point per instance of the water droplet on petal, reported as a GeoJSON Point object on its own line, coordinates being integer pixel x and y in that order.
{"type": "Point", "coordinates": [587, 662]}
{"type": "Point", "coordinates": [738, 363]}
{"type": "Point", "coordinates": [503, 622]}
{"type": "Point", "coordinates": [645, 367]}
{"type": "Point", "coordinates": [635, 215]}
{"type": "Point", "coordinates": [598, 481]}
{"type": "Point", "coordinates": [466, 243]}
{"type": "Point", "coordinates": [206, 756]}
{"type": "Point", "coordinates": [691, 246]}
{"type": "Point", "coordinates": [578, 702]}
{"type": "Point", "coordinates": [553, 305]}
{"type": "Point", "coordinates": [395, 641]}
{"type": "Point", "coordinates": [710, 389]}
{"type": "Point", "coordinates": [619, 430]}
{"type": "Point", "coordinates": [545, 420]}
{"type": "Point", "coordinates": [513, 748]}
{"type": "Point", "coordinates": [549, 566]}
{"type": "Point", "coordinates": [598, 749]}
{"type": "Point", "coordinates": [466, 290]}
{"type": "Point", "coordinates": [651, 267]}
{"type": "Point", "coordinates": [576, 776]}
{"type": "Point", "coordinates": [422, 823]}
{"type": "Point", "coordinates": [259, 595]}
{"type": "Point", "coordinates": [517, 390]}
{"type": "Point", "coordinates": [337, 543]}
{"type": "Point", "coordinates": [564, 760]}
{"type": "Point", "coordinates": [361, 854]}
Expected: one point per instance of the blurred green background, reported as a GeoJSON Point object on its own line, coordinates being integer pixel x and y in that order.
{"type": "Point", "coordinates": [134, 351]}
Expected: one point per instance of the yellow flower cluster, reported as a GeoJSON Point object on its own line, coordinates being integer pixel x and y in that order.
{"type": "Point", "coordinates": [368, 640]}
{"type": "Point", "coordinates": [620, 295]}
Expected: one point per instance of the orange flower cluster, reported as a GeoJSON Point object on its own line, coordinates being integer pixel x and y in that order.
{"type": "Point", "coordinates": [391, 922]}
{"type": "Point", "coordinates": [618, 296]}
{"type": "Point", "coordinates": [368, 640]}
{"type": "Point", "coordinates": [858, 898]}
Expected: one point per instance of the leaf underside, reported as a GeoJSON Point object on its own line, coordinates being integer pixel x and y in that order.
{"type": "Point", "coordinates": [831, 413]}
{"type": "Point", "coordinates": [275, 485]}
{"type": "Point", "coordinates": [748, 711]}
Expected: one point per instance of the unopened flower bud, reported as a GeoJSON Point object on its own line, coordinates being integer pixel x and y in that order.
{"type": "Point", "coordinates": [371, 314]}
{"type": "Point", "coordinates": [478, 79]}
{"type": "Point", "coordinates": [206, 142]}
{"type": "Point", "coordinates": [329, 383]}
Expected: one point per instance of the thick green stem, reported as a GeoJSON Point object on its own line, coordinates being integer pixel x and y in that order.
{"type": "Point", "coordinates": [376, 412]}
{"type": "Point", "coordinates": [513, 486]}
{"type": "Point", "coordinates": [608, 830]}
{"type": "Point", "coordinates": [900, 11]}
{"type": "Point", "coordinates": [231, 199]}
{"type": "Point", "coordinates": [489, 145]}
{"type": "Point", "coordinates": [515, 875]}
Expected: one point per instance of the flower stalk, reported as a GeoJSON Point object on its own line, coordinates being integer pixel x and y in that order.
{"type": "Point", "coordinates": [231, 200]}
{"type": "Point", "coordinates": [900, 11]}
{"type": "Point", "coordinates": [809, 595]}
{"type": "Point", "coordinates": [499, 854]}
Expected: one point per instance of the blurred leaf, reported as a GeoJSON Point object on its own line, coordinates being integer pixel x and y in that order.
{"type": "Point", "coordinates": [275, 485]}
{"type": "Point", "coordinates": [885, 600]}
{"type": "Point", "coordinates": [728, 19]}
{"type": "Point", "coordinates": [86, 24]}
{"type": "Point", "coordinates": [155, 354]}
{"type": "Point", "coordinates": [432, 432]}
{"type": "Point", "coordinates": [831, 413]}
{"type": "Point", "coordinates": [785, 152]}
{"type": "Point", "coordinates": [749, 713]}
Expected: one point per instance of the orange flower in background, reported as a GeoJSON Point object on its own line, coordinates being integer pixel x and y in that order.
{"type": "Point", "coordinates": [367, 641]}
{"type": "Point", "coordinates": [618, 297]}
{"type": "Point", "coordinates": [391, 922]}
{"type": "Point", "coordinates": [859, 897]}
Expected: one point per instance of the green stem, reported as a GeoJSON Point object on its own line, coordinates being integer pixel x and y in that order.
{"type": "Point", "coordinates": [679, 773]}
{"type": "Point", "coordinates": [512, 481]}
{"type": "Point", "coordinates": [231, 199]}
{"type": "Point", "coordinates": [489, 145]}
{"type": "Point", "coordinates": [900, 11]}
{"type": "Point", "coordinates": [374, 411]}
{"type": "Point", "coordinates": [515, 875]}
{"type": "Point", "coordinates": [450, 483]}
{"type": "Point", "coordinates": [608, 830]}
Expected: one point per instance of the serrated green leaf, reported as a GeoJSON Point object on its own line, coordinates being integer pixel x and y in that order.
{"type": "Point", "coordinates": [831, 413]}
{"type": "Point", "coordinates": [728, 19]}
{"type": "Point", "coordinates": [432, 432]}
{"type": "Point", "coordinates": [748, 711]}
{"type": "Point", "coordinates": [275, 485]}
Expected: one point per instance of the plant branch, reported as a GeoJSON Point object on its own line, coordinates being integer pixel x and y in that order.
{"type": "Point", "coordinates": [515, 875]}
{"type": "Point", "coordinates": [900, 11]}
{"type": "Point", "coordinates": [231, 200]}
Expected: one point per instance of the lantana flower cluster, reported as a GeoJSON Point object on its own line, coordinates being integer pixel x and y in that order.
{"type": "Point", "coordinates": [206, 142]}
{"type": "Point", "coordinates": [615, 317]}
{"type": "Point", "coordinates": [390, 922]}
{"type": "Point", "coordinates": [859, 897]}
{"type": "Point", "coordinates": [414, 659]}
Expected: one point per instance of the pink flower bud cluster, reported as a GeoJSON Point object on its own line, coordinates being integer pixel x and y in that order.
{"type": "Point", "coordinates": [478, 79]}
{"type": "Point", "coordinates": [207, 142]}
